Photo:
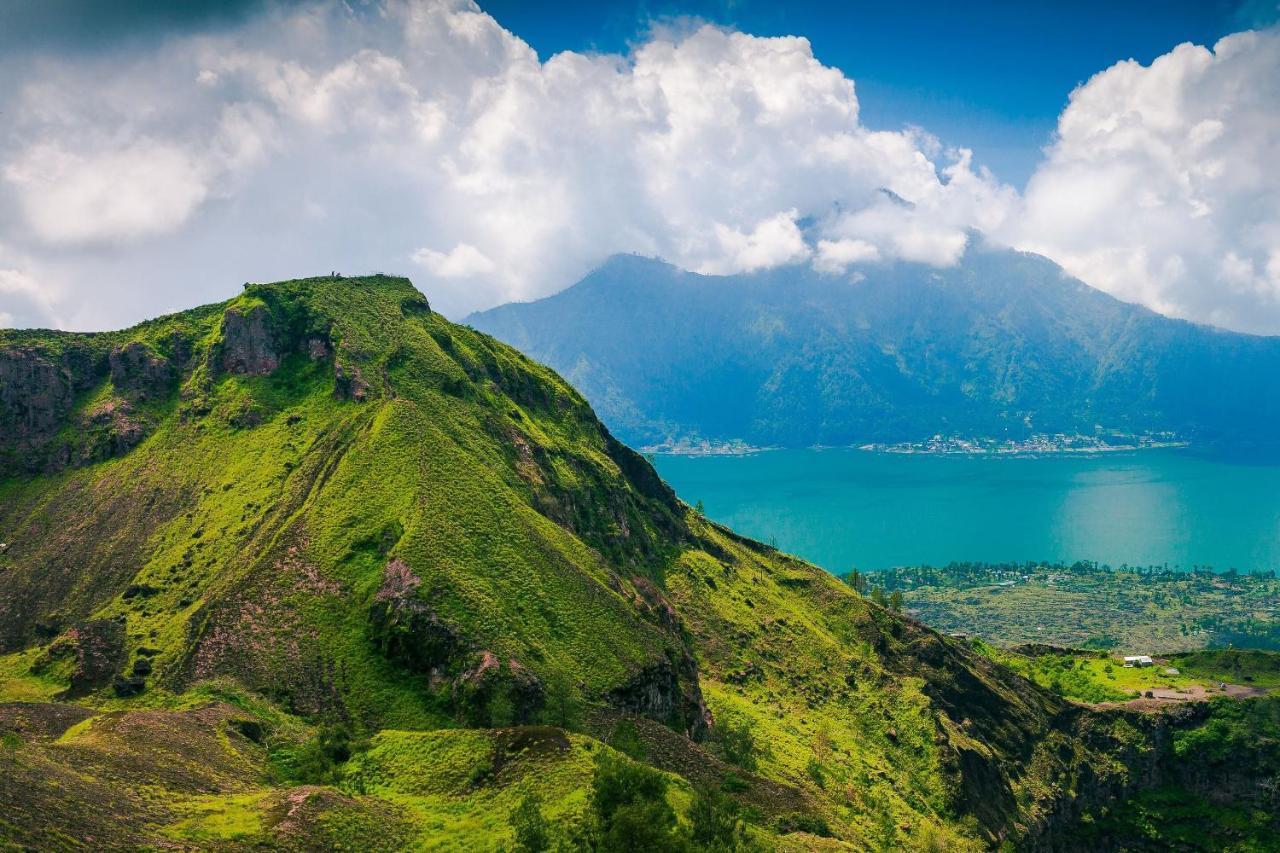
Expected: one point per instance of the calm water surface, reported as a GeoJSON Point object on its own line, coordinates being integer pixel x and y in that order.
{"type": "Point", "coordinates": [846, 508]}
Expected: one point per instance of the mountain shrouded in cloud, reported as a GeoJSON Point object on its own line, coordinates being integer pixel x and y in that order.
{"type": "Point", "coordinates": [422, 136]}
{"type": "Point", "coordinates": [1002, 344]}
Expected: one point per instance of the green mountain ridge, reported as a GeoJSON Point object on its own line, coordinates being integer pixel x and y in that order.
{"type": "Point", "coordinates": [1003, 344]}
{"type": "Point", "coordinates": [318, 569]}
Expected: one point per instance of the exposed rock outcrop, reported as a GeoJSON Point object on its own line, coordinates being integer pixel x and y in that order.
{"type": "Point", "coordinates": [667, 691]}
{"type": "Point", "coordinates": [139, 373]}
{"type": "Point", "coordinates": [349, 382]}
{"type": "Point", "coordinates": [98, 650]}
{"type": "Point", "coordinates": [249, 345]}
{"type": "Point", "coordinates": [407, 629]}
{"type": "Point", "coordinates": [37, 393]}
{"type": "Point", "coordinates": [477, 690]}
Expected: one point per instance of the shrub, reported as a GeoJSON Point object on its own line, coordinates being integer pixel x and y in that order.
{"type": "Point", "coordinates": [803, 822]}
{"type": "Point", "coordinates": [641, 827]}
{"type": "Point", "coordinates": [532, 834]}
{"type": "Point", "coordinates": [734, 740]}
{"type": "Point", "coordinates": [10, 742]}
{"type": "Point", "coordinates": [319, 760]}
{"type": "Point", "coordinates": [629, 802]}
{"type": "Point", "coordinates": [480, 773]}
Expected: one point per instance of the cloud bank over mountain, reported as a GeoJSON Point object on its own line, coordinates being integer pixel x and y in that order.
{"type": "Point", "coordinates": [1162, 186]}
{"type": "Point", "coordinates": [423, 137]}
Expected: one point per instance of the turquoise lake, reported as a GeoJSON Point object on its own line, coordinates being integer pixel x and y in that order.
{"type": "Point", "coordinates": [846, 508]}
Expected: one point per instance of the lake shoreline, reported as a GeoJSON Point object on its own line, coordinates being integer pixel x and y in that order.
{"type": "Point", "coordinates": [842, 507]}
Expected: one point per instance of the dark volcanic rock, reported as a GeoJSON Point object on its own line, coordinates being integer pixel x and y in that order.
{"type": "Point", "coordinates": [130, 686]}
{"type": "Point", "coordinates": [37, 397]}
{"type": "Point", "coordinates": [248, 342]}
{"type": "Point", "coordinates": [35, 394]}
{"type": "Point", "coordinates": [668, 692]}
{"type": "Point", "coordinates": [37, 390]}
{"type": "Point", "coordinates": [139, 373]}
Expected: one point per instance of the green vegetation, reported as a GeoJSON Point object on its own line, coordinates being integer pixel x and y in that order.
{"type": "Point", "coordinates": [1238, 743]}
{"type": "Point", "coordinates": [1084, 605]}
{"type": "Point", "coordinates": [529, 825]}
{"type": "Point", "coordinates": [318, 569]}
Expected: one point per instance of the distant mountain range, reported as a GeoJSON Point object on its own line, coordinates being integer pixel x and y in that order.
{"type": "Point", "coordinates": [1004, 344]}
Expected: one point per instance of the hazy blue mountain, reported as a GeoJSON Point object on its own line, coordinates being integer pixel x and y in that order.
{"type": "Point", "coordinates": [1004, 343]}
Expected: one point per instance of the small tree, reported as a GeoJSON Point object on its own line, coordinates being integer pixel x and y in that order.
{"type": "Point", "coordinates": [532, 833]}
{"type": "Point", "coordinates": [714, 823]}
{"type": "Point", "coordinates": [562, 707]}
{"type": "Point", "coordinates": [895, 601]}
{"type": "Point", "coordinates": [500, 709]}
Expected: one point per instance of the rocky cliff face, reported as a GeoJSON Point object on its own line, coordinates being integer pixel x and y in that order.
{"type": "Point", "coordinates": [140, 373]}
{"type": "Point", "coordinates": [38, 388]}
{"type": "Point", "coordinates": [248, 341]}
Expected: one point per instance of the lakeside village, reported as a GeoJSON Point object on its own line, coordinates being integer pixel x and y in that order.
{"type": "Point", "coordinates": [941, 445]}
{"type": "Point", "coordinates": [1102, 442]}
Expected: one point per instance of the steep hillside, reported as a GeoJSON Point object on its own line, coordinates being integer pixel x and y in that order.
{"type": "Point", "coordinates": [318, 568]}
{"type": "Point", "coordinates": [1002, 344]}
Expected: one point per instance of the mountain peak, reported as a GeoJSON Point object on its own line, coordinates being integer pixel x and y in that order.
{"type": "Point", "coordinates": [999, 343]}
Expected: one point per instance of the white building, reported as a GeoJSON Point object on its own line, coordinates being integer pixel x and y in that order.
{"type": "Point", "coordinates": [1138, 660]}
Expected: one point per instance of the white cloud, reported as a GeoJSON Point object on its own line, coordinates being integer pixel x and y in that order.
{"type": "Point", "coordinates": [773, 242]}
{"type": "Point", "coordinates": [462, 262]}
{"type": "Point", "coordinates": [25, 301]}
{"type": "Point", "coordinates": [330, 136]}
{"type": "Point", "coordinates": [138, 190]}
{"type": "Point", "coordinates": [836, 256]}
{"type": "Point", "coordinates": [1162, 188]}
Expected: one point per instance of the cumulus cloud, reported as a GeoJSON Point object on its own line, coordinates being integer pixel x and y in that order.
{"type": "Point", "coordinates": [421, 136]}
{"type": "Point", "coordinates": [1161, 186]}
{"type": "Point", "coordinates": [136, 190]}
{"type": "Point", "coordinates": [836, 256]}
{"type": "Point", "coordinates": [773, 242]}
{"type": "Point", "coordinates": [24, 302]}
{"type": "Point", "coordinates": [462, 261]}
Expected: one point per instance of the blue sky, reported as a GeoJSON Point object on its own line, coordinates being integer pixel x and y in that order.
{"type": "Point", "coordinates": [990, 76]}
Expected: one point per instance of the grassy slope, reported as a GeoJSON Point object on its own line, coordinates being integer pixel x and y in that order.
{"type": "Point", "coordinates": [245, 542]}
